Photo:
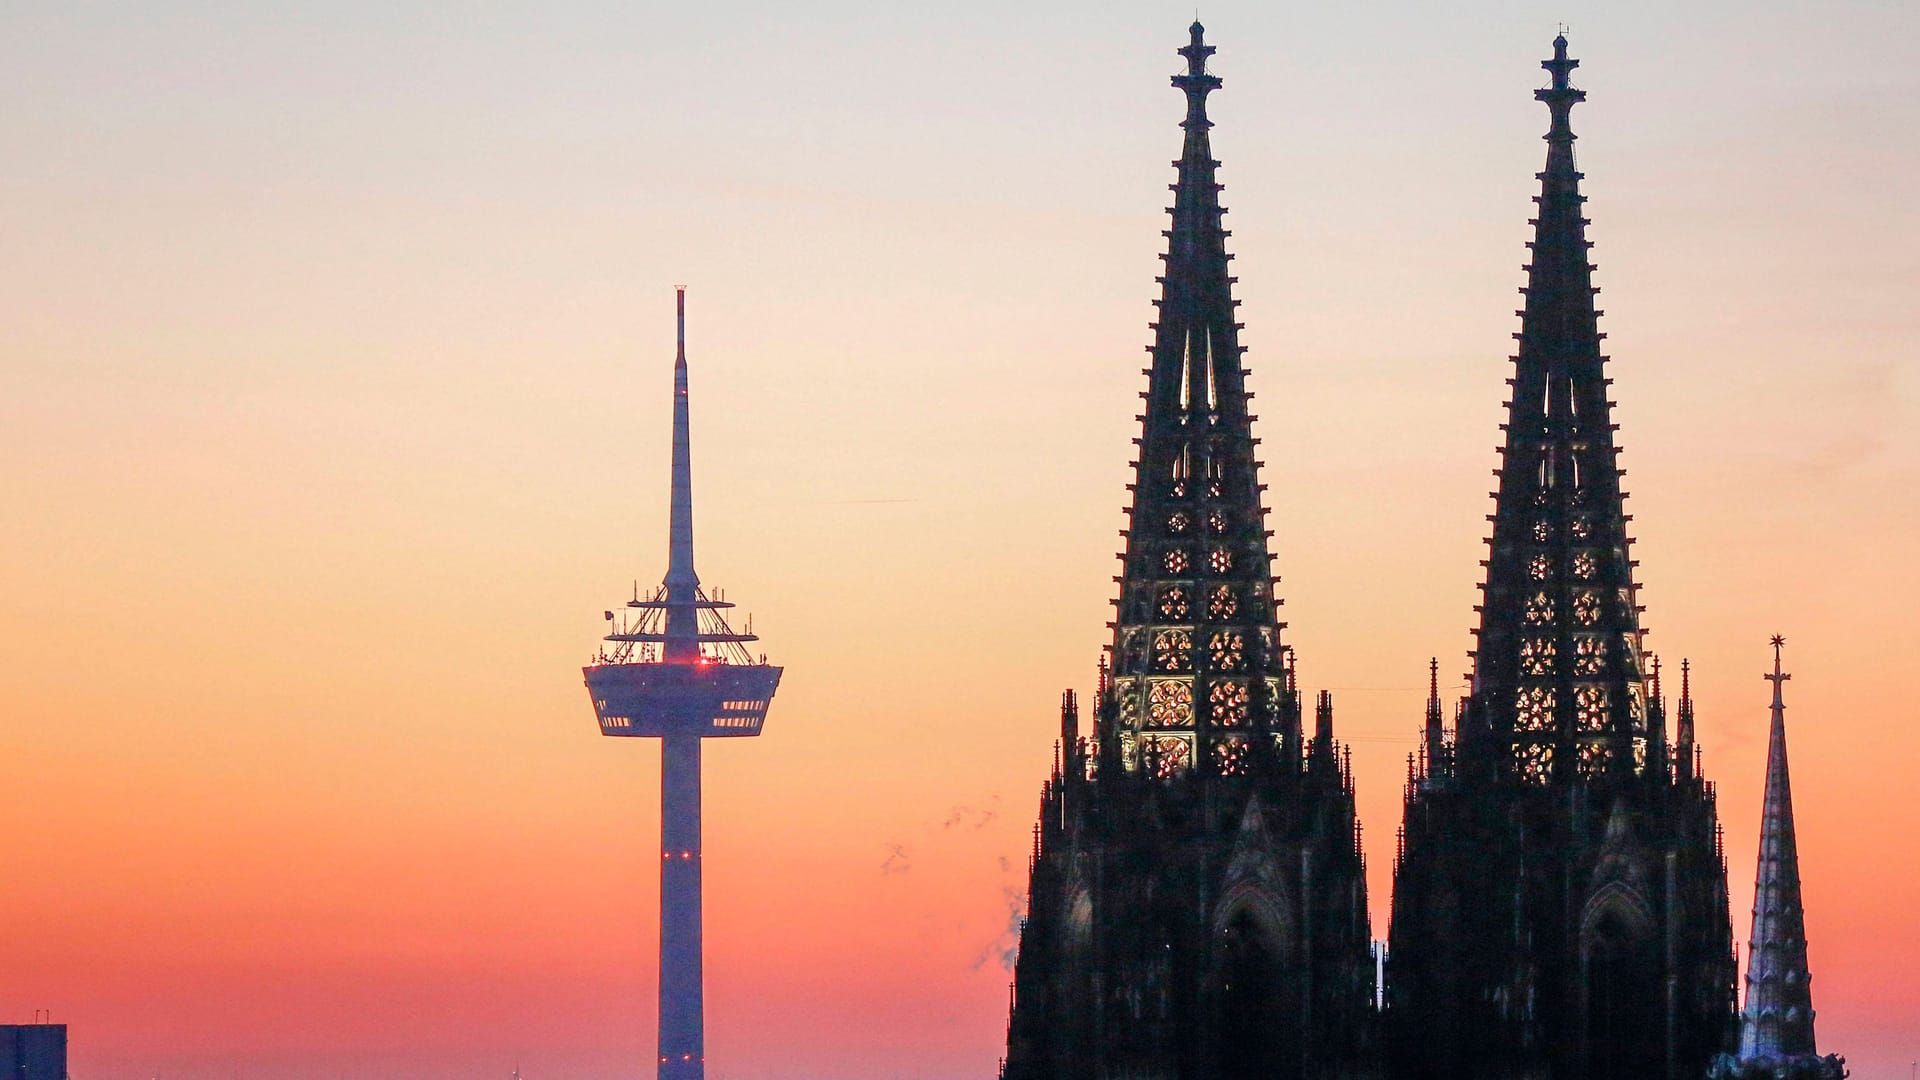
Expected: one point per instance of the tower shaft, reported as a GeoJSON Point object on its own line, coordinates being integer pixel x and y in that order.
{"type": "Point", "coordinates": [682, 994]}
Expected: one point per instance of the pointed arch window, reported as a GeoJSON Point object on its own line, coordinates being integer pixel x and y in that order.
{"type": "Point", "coordinates": [1186, 371]}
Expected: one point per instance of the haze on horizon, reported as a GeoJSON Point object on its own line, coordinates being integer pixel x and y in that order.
{"type": "Point", "coordinates": [333, 410]}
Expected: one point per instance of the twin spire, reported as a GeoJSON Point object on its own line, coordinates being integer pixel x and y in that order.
{"type": "Point", "coordinates": [1200, 680]}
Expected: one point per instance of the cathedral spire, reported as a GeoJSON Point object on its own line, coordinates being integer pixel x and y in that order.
{"type": "Point", "coordinates": [1778, 1018]}
{"type": "Point", "coordinates": [1776, 1024]}
{"type": "Point", "coordinates": [1558, 684]}
{"type": "Point", "coordinates": [1197, 663]}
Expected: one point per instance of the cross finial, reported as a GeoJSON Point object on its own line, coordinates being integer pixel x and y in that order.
{"type": "Point", "coordinates": [1197, 49]}
{"type": "Point", "coordinates": [1776, 676]}
{"type": "Point", "coordinates": [1561, 97]}
{"type": "Point", "coordinates": [1560, 66]}
{"type": "Point", "coordinates": [1196, 82]}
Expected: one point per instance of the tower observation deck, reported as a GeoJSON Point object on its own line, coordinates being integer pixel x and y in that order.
{"type": "Point", "coordinates": [672, 668]}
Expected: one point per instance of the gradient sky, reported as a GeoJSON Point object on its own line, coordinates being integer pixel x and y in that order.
{"type": "Point", "coordinates": [334, 369]}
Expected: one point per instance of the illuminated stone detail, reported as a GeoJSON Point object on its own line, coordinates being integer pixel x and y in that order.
{"type": "Point", "coordinates": [1586, 608]}
{"type": "Point", "coordinates": [1230, 756]}
{"type": "Point", "coordinates": [1590, 708]}
{"type": "Point", "coordinates": [1589, 653]}
{"type": "Point", "coordinates": [1228, 699]}
{"type": "Point", "coordinates": [1172, 651]}
{"type": "Point", "coordinates": [1533, 709]}
{"type": "Point", "coordinates": [1533, 761]}
{"type": "Point", "coordinates": [1222, 604]}
{"type": "Point", "coordinates": [1173, 604]}
{"type": "Point", "coordinates": [1166, 755]}
{"type": "Point", "coordinates": [1170, 703]}
{"type": "Point", "coordinates": [1539, 610]}
{"type": "Point", "coordinates": [1595, 757]}
{"type": "Point", "coordinates": [1536, 656]}
{"type": "Point", "coordinates": [1227, 651]}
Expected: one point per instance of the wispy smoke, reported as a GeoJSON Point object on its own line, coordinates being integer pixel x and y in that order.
{"type": "Point", "coordinates": [897, 861]}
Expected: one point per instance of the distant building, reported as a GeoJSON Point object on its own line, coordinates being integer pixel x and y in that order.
{"type": "Point", "coordinates": [33, 1051]}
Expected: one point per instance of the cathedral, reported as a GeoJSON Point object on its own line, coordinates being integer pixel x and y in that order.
{"type": "Point", "coordinates": [1197, 903]}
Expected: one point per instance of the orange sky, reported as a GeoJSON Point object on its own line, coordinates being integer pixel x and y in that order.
{"type": "Point", "coordinates": [333, 411]}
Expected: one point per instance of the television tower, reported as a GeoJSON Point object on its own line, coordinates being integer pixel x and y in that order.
{"type": "Point", "coordinates": [673, 669]}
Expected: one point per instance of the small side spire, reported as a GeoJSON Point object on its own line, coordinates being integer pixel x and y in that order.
{"type": "Point", "coordinates": [1323, 723]}
{"type": "Point", "coordinates": [1686, 749]}
{"type": "Point", "coordinates": [1657, 748]}
{"type": "Point", "coordinates": [1776, 1024]}
{"type": "Point", "coordinates": [1434, 731]}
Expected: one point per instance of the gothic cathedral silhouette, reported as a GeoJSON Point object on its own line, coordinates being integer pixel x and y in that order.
{"type": "Point", "coordinates": [1197, 902]}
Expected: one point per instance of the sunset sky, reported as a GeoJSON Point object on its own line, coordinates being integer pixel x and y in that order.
{"type": "Point", "coordinates": [335, 349]}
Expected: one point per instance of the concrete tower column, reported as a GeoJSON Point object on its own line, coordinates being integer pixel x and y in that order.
{"type": "Point", "coordinates": [682, 1019]}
